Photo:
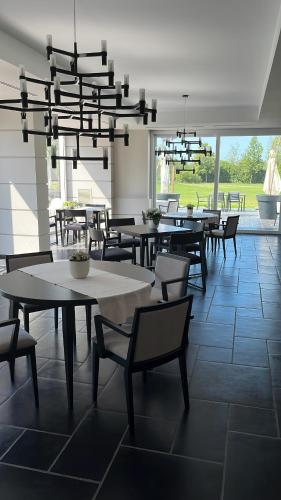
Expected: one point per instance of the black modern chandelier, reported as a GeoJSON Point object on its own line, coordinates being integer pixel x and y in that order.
{"type": "Point", "coordinates": [75, 103]}
{"type": "Point", "coordinates": [181, 152]}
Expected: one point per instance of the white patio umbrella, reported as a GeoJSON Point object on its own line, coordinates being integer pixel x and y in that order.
{"type": "Point", "coordinates": [272, 181]}
{"type": "Point", "coordinates": [164, 175]}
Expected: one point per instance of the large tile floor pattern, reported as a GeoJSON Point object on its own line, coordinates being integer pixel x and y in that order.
{"type": "Point", "coordinates": [227, 448]}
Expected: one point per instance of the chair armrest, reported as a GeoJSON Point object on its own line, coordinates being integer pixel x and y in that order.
{"type": "Point", "coordinates": [8, 322]}
{"type": "Point", "coordinates": [99, 322]}
{"type": "Point", "coordinates": [165, 283]}
{"type": "Point", "coordinates": [15, 334]}
{"type": "Point", "coordinates": [112, 325]}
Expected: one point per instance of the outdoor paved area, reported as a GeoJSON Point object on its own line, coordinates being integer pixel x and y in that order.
{"type": "Point", "coordinates": [229, 445]}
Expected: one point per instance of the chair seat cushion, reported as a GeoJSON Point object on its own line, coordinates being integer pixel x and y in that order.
{"type": "Point", "coordinates": [129, 242]}
{"type": "Point", "coordinates": [75, 226]}
{"type": "Point", "coordinates": [24, 339]}
{"type": "Point", "coordinates": [116, 343]}
{"type": "Point", "coordinates": [156, 295]}
{"type": "Point", "coordinates": [218, 233]}
{"type": "Point", "coordinates": [115, 254]}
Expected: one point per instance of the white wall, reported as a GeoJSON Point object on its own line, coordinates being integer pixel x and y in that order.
{"type": "Point", "coordinates": [24, 223]}
{"type": "Point", "coordinates": [89, 175]}
{"type": "Point", "coordinates": [130, 175]}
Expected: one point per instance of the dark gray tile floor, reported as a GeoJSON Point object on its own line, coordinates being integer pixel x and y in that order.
{"type": "Point", "coordinates": [227, 447]}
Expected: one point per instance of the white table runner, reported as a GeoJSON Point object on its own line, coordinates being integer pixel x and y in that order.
{"type": "Point", "coordinates": [117, 296]}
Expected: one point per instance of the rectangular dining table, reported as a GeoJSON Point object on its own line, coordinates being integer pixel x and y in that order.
{"type": "Point", "coordinates": [143, 232]}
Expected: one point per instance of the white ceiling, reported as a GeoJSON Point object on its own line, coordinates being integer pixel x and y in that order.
{"type": "Point", "coordinates": [218, 51]}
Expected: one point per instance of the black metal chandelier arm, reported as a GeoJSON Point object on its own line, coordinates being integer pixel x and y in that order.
{"type": "Point", "coordinates": [65, 93]}
{"type": "Point", "coordinates": [74, 55]}
{"type": "Point", "coordinates": [77, 74]}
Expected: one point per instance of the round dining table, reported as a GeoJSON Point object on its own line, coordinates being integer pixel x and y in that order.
{"type": "Point", "coordinates": [113, 286]}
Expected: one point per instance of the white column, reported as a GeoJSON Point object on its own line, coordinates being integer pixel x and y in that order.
{"type": "Point", "coordinates": [217, 172]}
{"type": "Point", "coordinates": [24, 223]}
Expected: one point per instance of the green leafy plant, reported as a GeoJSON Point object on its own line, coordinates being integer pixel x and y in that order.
{"type": "Point", "coordinates": [79, 256]}
{"type": "Point", "coordinates": [189, 206]}
{"type": "Point", "coordinates": [70, 204]}
{"type": "Point", "coordinates": [154, 214]}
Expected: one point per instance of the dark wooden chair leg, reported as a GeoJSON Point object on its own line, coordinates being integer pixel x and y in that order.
{"type": "Point", "coordinates": [235, 248]}
{"type": "Point", "coordinates": [184, 381]}
{"type": "Point", "coordinates": [203, 274]}
{"type": "Point", "coordinates": [223, 244]}
{"type": "Point", "coordinates": [96, 362]}
{"type": "Point", "coordinates": [129, 399]}
{"type": "Point", "coordinates": [34, 376]}
{"type": "Point", "coordinates": [88, 310]}
{"type": "Point", "coordinates": [56, 230]}
{"type": "Point", "coordinates": [56, 314]}
{"type": "Point", "coordinates": [12, 369]}
{"type": "Point", "coordinates": [26, 321]}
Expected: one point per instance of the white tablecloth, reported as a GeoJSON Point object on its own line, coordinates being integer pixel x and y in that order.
{"type": "Point", "coordinates": [117, 296]}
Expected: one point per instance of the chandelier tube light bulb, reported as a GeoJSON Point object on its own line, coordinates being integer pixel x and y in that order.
{"type": "Point", "coordinates": [23, 85]}
{"type": "Point", "coordinates": [57, 89]}
{"type": "Point", "coordinates": [55, 127]}
{"type": "Point", "coordinates": [118, 88]}
{"type": "Point", "coordinates": [57, 83]}
{"type": "Point", "coordinates": [142, 94]}
{"type": "Point", "coordinates": [53, 61]}
{"type": "Point", "coordinates": [49, 40]}
{"type": "Point", "coordinates": [21, 71]}
{"type": "Point", "coordinates": [154, 110]}
{"type": "Point", "coordinates": [126, 85]}
{"type": "Point", "coordinates": [110, 65]}
{"type": "Point", "coordinates": [142, 101]}
{"type": "Point", "coordinates": [104, 52]}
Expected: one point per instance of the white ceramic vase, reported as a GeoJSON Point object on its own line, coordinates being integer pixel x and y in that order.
{"type": "Point", "coordinates": [152, 225]}
{"type": "Point", "coordinates": [79, 269]}
{"type": "Point", "coordinates": [190, 211]}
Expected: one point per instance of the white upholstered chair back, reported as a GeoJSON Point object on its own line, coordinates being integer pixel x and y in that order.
{"type": "Point", "coordinates": [169, 267]}
{"type": "Point", "coordinates": [161, 331]}
{"type": "Point", "coordinates": [14, 262]}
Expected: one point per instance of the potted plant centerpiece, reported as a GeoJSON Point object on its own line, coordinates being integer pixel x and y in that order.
{"type": "Point", "coordinates": [153, 215]}
{"type": "Point", "coordinates": [70, 204]}
{"type": "Point", "coordinates": [189, 208]}
{"type": "Point", "coordinates": [79, 263]}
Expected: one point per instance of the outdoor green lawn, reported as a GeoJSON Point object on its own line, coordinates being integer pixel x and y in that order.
{"type": "Point", "coordinates": [188, 191]}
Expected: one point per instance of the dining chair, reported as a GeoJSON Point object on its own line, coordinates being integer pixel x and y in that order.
{"type": "Point", "coordinates": [53, 222]}
{"type": "Point", "coordinates": [77, 227]}
{"type": "Point", "coordinates": [123, 240]}
{"type": "Point", "coordinates": [172, 207]}
{"type": "Point", "coordinates": [15, 342]}
{"type": "Point", "coordinates": [189, 245]}
{"type": "Point", "coordinates": [234, 197]}
{"type": "Point", "coordinates": [202, 200]}
{"type": "Point", "coordinates": [108, 249]}
{"type": "Point", "coordinates": [171, 277]}
{"type": "Point", "coordinates": [17, 261]}
{"type": "Point", "coordinates": [159, 334]}
{"type": "Point", "coordinates": [228, 232]}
